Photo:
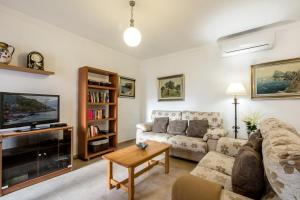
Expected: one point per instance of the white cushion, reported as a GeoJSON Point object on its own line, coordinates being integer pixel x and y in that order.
{"type": "Point", "coordinates": [218, 161]}
{"type": "Point", "coordinates": [158, 137]}
{"type": "Point", "coordinates": [213, 176]}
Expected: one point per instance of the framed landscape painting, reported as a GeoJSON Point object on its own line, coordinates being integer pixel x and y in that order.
{"type": "Point", "coordinates": [171, 88]}
{"type": "Point", "coordinates": [276, 80]}
{"type": "Point", "coordinates": [127, 87]}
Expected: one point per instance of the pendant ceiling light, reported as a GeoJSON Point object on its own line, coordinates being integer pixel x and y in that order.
{"type": "Point", "coordinates": [132, 36]}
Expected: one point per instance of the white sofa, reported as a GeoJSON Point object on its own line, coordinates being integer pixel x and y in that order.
{"type": "Point", "coordinates": [191, 148]}
{"type": "Point", "coordinates": [281, 160]}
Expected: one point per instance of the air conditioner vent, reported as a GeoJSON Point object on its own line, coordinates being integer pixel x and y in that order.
{"type": "Point", "coordinates": [246, 43]}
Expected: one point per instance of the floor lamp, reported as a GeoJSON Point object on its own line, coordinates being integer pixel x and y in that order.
{"type": "Point", "coordinates": [236, 89]}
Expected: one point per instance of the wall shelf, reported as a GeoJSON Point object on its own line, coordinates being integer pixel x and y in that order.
{"type": "Point", "coordinates": [101, 87]}
{"type": "Point", "coordinates": [25, 69]}
{"type": "Point", "coordinates": [101, 136]}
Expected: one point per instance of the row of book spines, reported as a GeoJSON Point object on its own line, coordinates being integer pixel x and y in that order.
{"type": "Point", "coordinates": [96, 114]}
{"type": "Point", "coordinates": [93, 131]}
{"type": "Point", "coordinates": [98, 97]}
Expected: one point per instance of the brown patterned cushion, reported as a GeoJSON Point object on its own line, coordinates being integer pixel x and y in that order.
{"type": "Point", "coordinates": [160, 124]}
{"type": "Point", "coordinates": [197, 128]}
{"type": "Point", "coordinates": [248, 173]}
{"type": "Point", "coordinates": [177, 127]}
{"type": "Point", "coordinates": [255, 141]}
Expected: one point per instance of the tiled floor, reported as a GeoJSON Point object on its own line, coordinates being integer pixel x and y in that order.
{"type": "Point", "coordinates": [88, 182]}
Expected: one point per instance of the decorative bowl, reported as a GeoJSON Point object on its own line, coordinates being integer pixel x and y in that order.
{"type": "Point", "coordinates": [142, 145]}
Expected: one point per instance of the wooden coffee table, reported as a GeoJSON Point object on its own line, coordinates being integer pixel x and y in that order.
{"type": "Point", "coordinates": [131, 157]}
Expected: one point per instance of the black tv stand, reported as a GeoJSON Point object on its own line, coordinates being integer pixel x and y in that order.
{"type": "Point", "coordinates": [32, 129]}
{"type": "Point", "coordinates": [34, 157]}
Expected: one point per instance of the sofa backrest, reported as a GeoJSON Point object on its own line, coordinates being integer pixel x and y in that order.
{"type": "Point", "coordinates": [214, 118]}
{"type": "Point", "coordinates": [281, 157]}
{"type": "Point", "coordinates": [173, 115]}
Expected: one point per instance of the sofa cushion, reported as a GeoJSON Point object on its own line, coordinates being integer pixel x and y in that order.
{"type": "Point", "coordinates": [230, 146]}
{"type": "Point", "coordinates": [271, 124]}
{"type": "Point", "coordinates": [214, 134]}
{"type": "Point", "coordinates": [160, 124]}
{"type": "Point", "coordinates": [255, 141]}
{"type": "Point", "coordinates": [213, 176]}
{"type": "Point", "coordinates": [158, 137]}
{"type": "Point", "coordinates": [281, 157]}
{"type": "Point", "coordinates": [218, 161]}
{"type": "Point", "coordinates": [188, 143]}
{"type": "Point", "coordinates": [214, 118]}
{"type": "Point", "coordinates": [197, 128]}
{"type": "Point", "coordinates": [248, 173]}
{"type": "Point", "coordinates": [172, 115]}
{"type": "Point", "coordinates": [177, 127]}
{"type": "Point", "coordinates": [145, 126]}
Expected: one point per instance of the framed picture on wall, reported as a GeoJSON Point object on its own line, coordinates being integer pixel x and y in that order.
{"type": "Point", "coordinates": [126, 87]}
{"type": "Point", "coordinates": [276, 80]}
{"type": "Point", "coordinates": [171, 88]}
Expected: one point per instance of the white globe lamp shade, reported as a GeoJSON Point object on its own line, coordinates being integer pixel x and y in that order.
{"type": "Point", "coordinates": [132, 36]}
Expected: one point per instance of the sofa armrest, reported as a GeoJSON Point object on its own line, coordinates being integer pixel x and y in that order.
{"type": "Point", "coordinates": [214, 134]}
{"type": "Point", "coordinates": [230, 146]}
{"type": "Point", "coordinates": [145, 127]}
{"type": "Point", "coordinates": [191, 187]}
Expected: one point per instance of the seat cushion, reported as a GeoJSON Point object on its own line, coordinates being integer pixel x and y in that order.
{"type": "Point", "coordinates": [213, 176]}
{"type": "Point", "coordinates": [218, 161]}
{"type": "Point", "coordinates": [188, 143]}
{"type": "Point", "coordinates": [158, 137]}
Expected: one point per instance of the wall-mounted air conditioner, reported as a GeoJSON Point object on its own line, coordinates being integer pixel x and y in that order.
{"type": "Point", "coordinates": [246, 43]}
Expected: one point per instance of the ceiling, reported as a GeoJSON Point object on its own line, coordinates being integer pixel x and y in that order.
{"type": "Point", "coordinates": [166, 25]}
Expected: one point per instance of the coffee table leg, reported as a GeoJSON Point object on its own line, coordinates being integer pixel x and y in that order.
{"type": "Point", "coordinates": [167, 164]}
{"type": "Point", "coordinates": [109, 174]}
{"type": "Point", "coordinates": [131, 183]}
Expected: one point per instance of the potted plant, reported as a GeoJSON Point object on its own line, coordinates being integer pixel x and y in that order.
{"type": "Point", "coordinates": [252, 120]}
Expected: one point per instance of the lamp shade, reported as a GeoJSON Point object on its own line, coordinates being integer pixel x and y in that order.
{"type": "Point", "coordinates": [236, 89]}
{"type": "Point", "coordinates": [132, 36]}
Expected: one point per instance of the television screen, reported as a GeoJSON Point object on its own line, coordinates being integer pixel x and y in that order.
{"type": "Point", "coordinates": [28, 109]}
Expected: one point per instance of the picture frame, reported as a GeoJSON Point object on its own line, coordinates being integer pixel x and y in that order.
{"type": "Point", "coordinates": [171, 88]}
{"type": "Point", "coordinates": [126, 87]}
{"type": "Point", "coordinates": [276, 80]}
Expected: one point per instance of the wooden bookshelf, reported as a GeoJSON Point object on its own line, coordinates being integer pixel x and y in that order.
{"type": "Point", "coordinates": [111, 120]}
{"type": "Point", "coordinates": [25, 69]}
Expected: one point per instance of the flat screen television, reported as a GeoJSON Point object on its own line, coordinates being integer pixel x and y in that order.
{"type": "Point", "coordinates": [21, 109]}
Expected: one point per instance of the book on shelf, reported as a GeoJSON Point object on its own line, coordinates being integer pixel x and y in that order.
{"type": "Point", "coordinates": [98, 97]}
{"type": "Point", "coordinates": [95, 130]}
{"type": "Point", "coordinates": [97, 114]}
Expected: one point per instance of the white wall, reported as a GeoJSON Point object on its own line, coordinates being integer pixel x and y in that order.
{"type": "Point", "coordinates": [64, 53]}
{"type": "Point", "coordinates": [207, 75]}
